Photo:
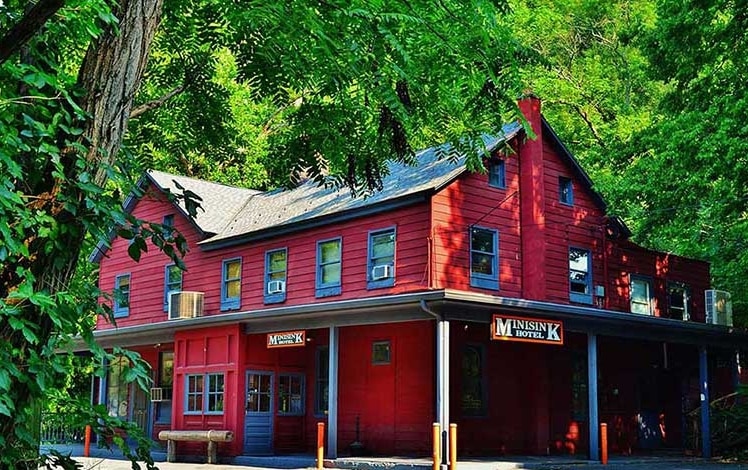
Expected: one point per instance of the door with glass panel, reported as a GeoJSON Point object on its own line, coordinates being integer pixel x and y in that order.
{"type": "Point", "coordinates": [258, 420]}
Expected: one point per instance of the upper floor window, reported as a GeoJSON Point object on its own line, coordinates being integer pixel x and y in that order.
{"type": "Point", "coordinates": [121, 296]}
{"type": "Point", "coordinates": [678, 296]}
{"type": "Point", "coordinates": [231, 284]}
{"type": "Point", "coordinates": [497, 174]}
{"type": "Point", "coordinates": [381, 265]}
{"type": "Point", "coordinates": [641, 295]}
{"type": "Point", "coordinates": [580, 276]}
{"type": "Point", "coordinates": [484, 256]}
{"type": "Point", "coordinates": [329, 267]}
{"type": "Point", "coordinates": [168, 223]}
{"type": "Point", "coordinates": [565, 191]}
{"type": "Point", "coordinates": [276, 265]}
{"type": "Point", "coordinates": [172, 282]}
{"type": "Point", "coordinates": [291, 394]}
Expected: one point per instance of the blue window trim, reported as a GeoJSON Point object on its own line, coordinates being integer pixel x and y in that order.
{"type": "Point", "coordinates": [497, 173]}
{"type": "Point", "coordinates": [302, 383]}
{"type": "Point", "coordinates": [577, 296]}
{"type": "Point", "coordinates": [166, 284]}
{"type": "Point", "coordinates": [230, 303]}
{"type": "Point", "coordinates": [330, 288]}
{"type": "Point", "coordinates": [120, 312]}
{"type": "Point", "coordinates": [565, 197]}
{"type": "Point", "coordinates": [187, 394]}
{"type": "Point", "coordinates": [168, 223]}
{"type": "Point", "coordinates": [207, 393]}
{"type": "Point", "coordinates": [390, 281]}
{"type": "Point", "coordinates": [274, 298]}
{"type": "Point", "coordinates": [650, 288]}
{"type": "Point", "coordinates": [482, 280]}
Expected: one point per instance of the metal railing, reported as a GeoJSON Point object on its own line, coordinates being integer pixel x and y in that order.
{"type": "Point", "coordinates": [56, 430]}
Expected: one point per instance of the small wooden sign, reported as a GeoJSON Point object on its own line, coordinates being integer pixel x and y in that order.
{"type": "Point", "coordinates": [527, 330]}
{"type": "Point", "coordinates": [287, 339]}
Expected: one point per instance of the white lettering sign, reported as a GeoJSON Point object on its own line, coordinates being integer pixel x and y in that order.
{"type": "Point", "coordinates": [534, 330]}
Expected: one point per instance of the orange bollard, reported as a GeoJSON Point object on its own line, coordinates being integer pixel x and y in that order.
{"type": "Point", "coordinates": [604, 443]}
{"type": "Point", "coordinates": [87, 442]}
{"type": "Point", "coordinates": [437, 446]}
{"type": "Point", "coordinates": [452, 446]}
{"type": "Point", "coordinates": [320, 445]}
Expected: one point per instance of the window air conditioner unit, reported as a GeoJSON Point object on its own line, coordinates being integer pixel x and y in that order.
{"type": "Point", "coordinates": [381, 271]}
{"type": "Point", "coordinates": [718, 307]}
{"type": "Point", "coordinates": [159, 394]}
{"type": "Point", "coordinates": [185, 304]}
{"type": "Point", "coordinates": [276, 287]}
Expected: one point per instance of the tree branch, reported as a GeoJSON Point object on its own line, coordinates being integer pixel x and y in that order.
{"type": "Point", "coordinates": [145, 107]}
{"type": "Point", "coordinates": [29, 25]}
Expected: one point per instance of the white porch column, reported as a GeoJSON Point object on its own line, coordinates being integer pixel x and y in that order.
{"type": "Point", "coordinates": [332, 395]}
{"type": "Point", "coordinates": [592, 396]}
{"type": "Point", "coordinates": [442, 384]}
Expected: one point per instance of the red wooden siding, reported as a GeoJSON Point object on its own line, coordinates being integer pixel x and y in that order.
{"type": "Point", "coordinates": [394, 402]}
{"type": "Point", "coordinates": [470, 201]}
{"type": "Point", "coordinates": [204, 267]}
{"type": "Point", "coordinates": [205, 351]}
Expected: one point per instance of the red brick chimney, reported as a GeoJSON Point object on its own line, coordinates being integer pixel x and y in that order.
{"type": "Point", "coordinates": [532, 203]}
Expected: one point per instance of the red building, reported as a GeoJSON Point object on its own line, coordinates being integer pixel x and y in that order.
{"type": "Point", "coordinates": [506, 302]}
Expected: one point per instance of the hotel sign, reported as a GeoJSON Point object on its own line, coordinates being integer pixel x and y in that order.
{"type": "Point", "coordinates": [527, 330]}
{"type": "Point", "coordinates": [286, 339]}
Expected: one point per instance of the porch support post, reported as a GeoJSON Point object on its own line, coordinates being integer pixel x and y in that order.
{"type": "Point", "coordinates": [332, 395]}
{"type": "Point", "coordinates": [706, 432]}
{"type": "Point", "coordinates": [592, 398]}
{"type": "Point", "coordinates": [442, 385]}
{"type": "Point", "coordinates": [103, 385]}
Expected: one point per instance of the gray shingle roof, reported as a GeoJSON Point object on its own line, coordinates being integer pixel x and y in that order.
{"type": "Point", "coordinates": [219, 202]}
{"type": "Point", "coordinates": [231, 212]}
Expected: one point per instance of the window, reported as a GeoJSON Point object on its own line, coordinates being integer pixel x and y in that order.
{"type": "Point", "coordinates": [215, 393]}
{"type": "Point", "coordinates": [329, 267]}
{"type": "Point", "coordinates": [194, 402]}
{"type": "Point", "coordinates": [276, 262]}
{"type": "Point", "coordinates": [204, 394]}
{"type": "Point", "coordinates": [380, 352]}
{"type": "Point", "coordinates": [580, 276]}
{"type": "Point", "coordinates": [322, 381]}
{"type": "Point", "coordinates": [231, 286]}
{"type": "Point", "coordinates": [381, 263]}
{"type": "Point", "coordinates": [291, 394]}
{"type": "Point", "coordinates": [172, 282]}
{"type": "Point", "coordinates": [166, 382]}
{"type": "Point", "coordinates": [678, 297]}
{"type": "Point", "coordinates": [122, 296]}
{"type": "Point", "coordinates": [117, 389]}
{"type": "Point", "coordinates": [168, 223]}
{"type": "Point", "coordinates": [641, 295]}
{"type": "Point", "coordinates": [565, 191]}
{"type": "Point", "coordinates": [484, 255]}
{"type": "Point", "coordinates": [497, 174]}
{"type": "Point", "coordinates": [473, 396]}
{"type": "Point", "coordinates": [259, 393]}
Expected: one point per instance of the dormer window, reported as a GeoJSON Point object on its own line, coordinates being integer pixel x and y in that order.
{"type": "Point", "coordinates": [497, 174]}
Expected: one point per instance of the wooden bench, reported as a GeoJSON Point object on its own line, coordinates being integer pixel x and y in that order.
{"type": "Point", "coordinates": [212, 437]}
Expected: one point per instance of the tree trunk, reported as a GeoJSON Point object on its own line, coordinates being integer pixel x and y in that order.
{"type": "Point", "coordinates": [111, 74]}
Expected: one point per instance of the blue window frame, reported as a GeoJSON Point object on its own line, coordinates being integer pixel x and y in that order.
{"type": "Point", "coordinates": [640, 293]}
{"type": "Point", "coordinates": [121, 305]}
{"type": "Point", "coordinates": [168, 223]}
{"type": "Point", "coordinates": [172, 282]}
{"type": "Point", "coordinates": [193, 403]}
{"type": "Point", "coordinates": [231, 284]}
{"type": "Point", "coordinates": [497, 174]}
{"type": "Point", "coordinates": [484, 258]}
{"type": "Point", "coordinates": [214, 392]}
{"type": "Point", "coordinates": [580, 275]}
{"type": "Point", "coordinates": [276, 269]}
{"type": "Point", "coordinates": [565, 191]}
{"type": "Point", "coordinates": [329, 267]}
{"type": "Point", "coordinates": [381, 264]}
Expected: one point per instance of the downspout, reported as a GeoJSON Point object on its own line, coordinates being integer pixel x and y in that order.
{"type": "Point", "coordinates": [442, 378]}
{"type": "Point", "coordinates": [605, 267]}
